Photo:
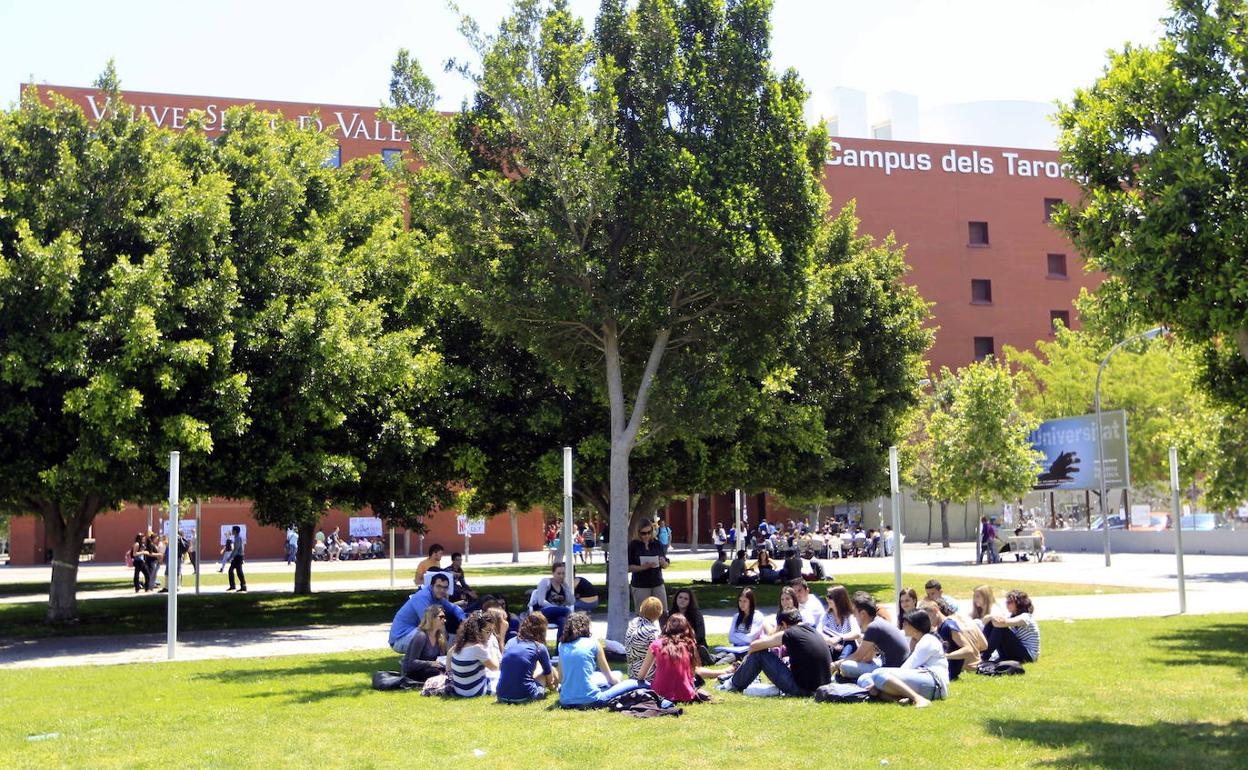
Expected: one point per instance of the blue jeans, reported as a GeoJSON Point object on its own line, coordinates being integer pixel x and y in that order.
{"type": "Point", "coordinates": [769, 663]}
{"type": "Point", "coordinates": [556, 614]}
{"type": "Point", "coordinates": [607, 691]}
{"type": "Point", "coordinates": [581, 606]}
{"type": "Point", "coordinates": [917, 679]}
{"type": "Point", "coordinates": [852, 669]}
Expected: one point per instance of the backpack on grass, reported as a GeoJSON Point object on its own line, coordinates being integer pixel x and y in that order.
{"type": "Point", "coordinates": [393, 680]}
{"type": "Point", "coordinates": [842, 693]}
{"type": "Point", "coordinates": [1001, 668]}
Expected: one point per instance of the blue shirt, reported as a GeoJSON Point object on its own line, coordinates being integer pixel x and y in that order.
{"type": "Point", "coordinates": [665, 535]}
{"type": "Point", "coordinates": [409, 615]}
{"type": "Point", "coordinates": [515, 678]}
{"type": "Point", "coordinates": [579, 660]}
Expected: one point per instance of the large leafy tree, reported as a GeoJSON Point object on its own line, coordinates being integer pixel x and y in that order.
{"type": "Point", "coordinates": [1157, 145]}
{"type": "Point", "coordinates": [638, 207]}
{"type": "Point", "coordinates": [115, 338]}
{"type": "Point", "coordinates": [333, 320]}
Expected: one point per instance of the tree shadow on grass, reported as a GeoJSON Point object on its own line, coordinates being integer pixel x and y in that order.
{"type": "Point", "coordinates": [360, 669]}
{"type": "Point", "coordinates": [1121, 746]}
{"type": "Point", "coordinates": [1216, 643]}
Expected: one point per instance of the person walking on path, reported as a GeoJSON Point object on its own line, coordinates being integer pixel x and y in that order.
{"type": "Point", "coordinates": [236, 561]}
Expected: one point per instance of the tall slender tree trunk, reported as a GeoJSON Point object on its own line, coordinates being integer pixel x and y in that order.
{"type": "Point", "coordinates": [944, 523]}
{"type": "Point", "coordinates": [515, 533]}
{"type": "Point", "coordinates": [625, 424]}
{"type": "Point", "coordinates": [929, 522]}
{"type": "Point", "coordinates": [303, 557]}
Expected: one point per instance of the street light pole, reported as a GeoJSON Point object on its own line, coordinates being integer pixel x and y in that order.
{"type": "Point", "coordinates": [1100, 433]}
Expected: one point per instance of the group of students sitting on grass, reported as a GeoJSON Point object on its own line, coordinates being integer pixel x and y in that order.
{"type": "Point", "coordinates": [803, 647]}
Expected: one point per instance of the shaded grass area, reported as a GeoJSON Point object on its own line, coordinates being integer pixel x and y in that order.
{"type": "Point", "coordinates": [1066, 713]}
{"type": "Point", "coordinates": [954, 585]}
{"type": "Point", "coordinates": [145, 613]}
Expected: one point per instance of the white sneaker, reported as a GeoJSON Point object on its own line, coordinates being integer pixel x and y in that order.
{"type": "Point", "coordinates": [726, 686]}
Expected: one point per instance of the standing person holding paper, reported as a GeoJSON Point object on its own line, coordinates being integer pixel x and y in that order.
{"type": "Point", "coordinates": [646, 560]}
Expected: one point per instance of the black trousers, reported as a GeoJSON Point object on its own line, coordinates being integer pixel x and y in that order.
{"type": "Point", "coordinates": [1006, 644]}
{"type": "Point", "coordinates": [140, 571]}
{"type": "Point", "coordinates": [236, 566]}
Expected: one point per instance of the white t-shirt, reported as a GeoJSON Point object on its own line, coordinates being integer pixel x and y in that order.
{"type": "Point", "coordinates": [812, 611]}
{"type": "Point", "coordinates": [739, 635]}
{"type": "Point", "coordinates": [929, 654]}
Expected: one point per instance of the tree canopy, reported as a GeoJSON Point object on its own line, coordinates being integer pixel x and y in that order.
{"type": "Point", "coordinates": [638, 207]}
{"type": "Point", "coordinates": [116, 344]}
{"type": "Point", "coordinates": [1157, 146]}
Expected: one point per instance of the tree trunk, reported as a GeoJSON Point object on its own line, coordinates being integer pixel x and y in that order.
{"type": "Point", "coordinates": [693, 536]}
{"type": "Point", "coordinates": [515, 533]}
{"type": "Point", "coordinates": [625, 424]}
{"type": "Point", "coordinates": [944, 523]}
{"type": "Point", "coordinates": [303, 558]}
{"type": "Point", "coordinates": [66, 533]}
{"type": "Point", "coordinates": [617, 573]}
{"type": "Point", "coordinates": [929, 522]}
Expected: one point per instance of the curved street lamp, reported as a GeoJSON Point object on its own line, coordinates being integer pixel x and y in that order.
{"type": "Point", "coordinates": [1100, 435]}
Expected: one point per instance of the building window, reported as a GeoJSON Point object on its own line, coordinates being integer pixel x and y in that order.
{"type": "Point", "coordinates": [1057, 265]}
{"type": "Point", "coordinates": [1056, 316]}
{"type": "Point", "coordinates": [984, 348]}
{"type": "Point", "coordinates": [1050, 208]}
{"type": "Point", "coordinates": [335, 158]}
{"type": "Point", "coordinates": [391, 157]}
{"type": "Point", "coordinates": [882, 130]}
{"type": "Point", "coordinates": [981, 291]}
{"type": "Point", "coordinates": [978, 235]}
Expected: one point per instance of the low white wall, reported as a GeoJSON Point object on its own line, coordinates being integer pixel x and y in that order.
{"type": "Point", "coordinates": [1222, 542]}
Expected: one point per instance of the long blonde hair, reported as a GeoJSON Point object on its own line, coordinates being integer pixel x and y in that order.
{"type": "Point", "coordinates": [982, 602]}
{"type": "Point", "coordinates": [428, 624]}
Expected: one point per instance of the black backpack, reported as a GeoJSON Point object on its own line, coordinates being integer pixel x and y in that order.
{"type": "Point", "coordinates": [393, 680]}
{"type": "Point", "coordinates": [842, 693]}
{"type": "Point", "coordinates": [1001, 668]}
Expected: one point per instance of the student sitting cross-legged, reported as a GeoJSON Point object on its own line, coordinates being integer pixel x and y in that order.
{"type": "Point", "coordinates": [519, 680]}
{"type": "Point", "coordinates": [426, 646]}
{"type": "Point", "coordinates": [809, 666]}
{"type": "Point", "coordinates": [473, 664]}
{"type": "Point", "coordinates": [673, 660]}
{"type": "Point", "coordinates": [882, 643]}
{"type": "Point", "coordinates": [923, 676]}
{"type": "Point", "coordinates": [586, 678]}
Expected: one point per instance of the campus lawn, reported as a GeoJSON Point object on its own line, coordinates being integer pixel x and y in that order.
{"type": "Point", "coordinates": [1121, 694]}
{"type": "Point", "coordinates": [145, 613]}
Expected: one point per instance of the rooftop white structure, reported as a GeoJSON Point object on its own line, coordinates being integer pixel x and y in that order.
{"type": "Point", "coordinates": [900, 116]}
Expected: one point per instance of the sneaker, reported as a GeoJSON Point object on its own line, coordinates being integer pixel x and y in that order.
{"type": "Point", "coordinates": [726, 686]}
{"type": "Point", "coordinates": [243, 590]}
{"type": "Point", "coordinates": [231, 588]}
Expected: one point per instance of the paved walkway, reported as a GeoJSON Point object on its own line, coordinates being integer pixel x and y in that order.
{"type": "Point", "coordinates": [1215, 584]}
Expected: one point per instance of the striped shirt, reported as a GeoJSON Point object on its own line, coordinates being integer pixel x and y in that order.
{"type": "Point", "coordinates": [637, 639]}
{"type": "Point", "coordinates": [469, 676]}
{"type": "Point", "coordinates": [1028, 634]}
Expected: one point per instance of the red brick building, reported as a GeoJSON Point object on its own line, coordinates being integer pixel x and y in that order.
{"type": "Point", "coordinates": [974, 221]}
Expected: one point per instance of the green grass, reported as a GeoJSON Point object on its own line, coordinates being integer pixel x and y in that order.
{"type": "Point", "coordinates": [1139, 694]}
{"type": "Point", "coordinates": [145, 613]}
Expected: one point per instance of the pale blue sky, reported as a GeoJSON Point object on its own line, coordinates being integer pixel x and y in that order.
{"type": "Point", "coordinates": [339, 52]}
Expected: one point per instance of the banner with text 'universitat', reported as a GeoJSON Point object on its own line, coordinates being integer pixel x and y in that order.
{"type": "Point", "coordinates": [1069, 448]}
